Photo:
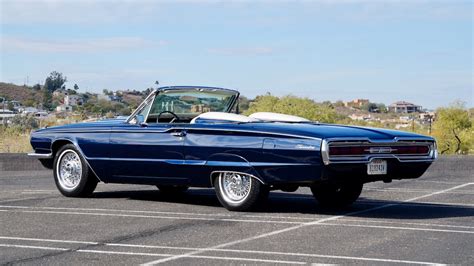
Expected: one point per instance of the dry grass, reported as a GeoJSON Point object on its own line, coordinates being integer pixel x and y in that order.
{"type": "Point", "coordinates": [12, 141]}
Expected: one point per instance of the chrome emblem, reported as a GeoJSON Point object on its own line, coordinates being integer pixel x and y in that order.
{"type": "Point", "coordinates": [305, 147]}
{"type": "Point", "coordinates": [381, 150]}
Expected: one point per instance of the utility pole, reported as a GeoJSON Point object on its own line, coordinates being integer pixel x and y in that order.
{"type": "Point", "coordinates": [3, 113]}
{"type": "Point", "coordinates": [430, 117]}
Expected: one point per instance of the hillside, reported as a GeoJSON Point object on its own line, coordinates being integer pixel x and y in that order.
{"type": "Point", "coordinates": [19, 93]}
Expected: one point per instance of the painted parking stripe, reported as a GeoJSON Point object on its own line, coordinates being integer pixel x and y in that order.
{"type": "Point", "coordinates": [151, 254]}
{"type": "Point", "coordinates": [255, 252]}
{"type": "Point", "coordinates": [400, 228]}
{"type": "Point", "coordinates": [151, 216]}
{"type": "Point", "coordinates": [430, 204]}
{"type": "Point", "coordinates": [442, 205]}
{"type": "Point", "coordinates": [414, 190]}
{"type": "Point", "coordinates": [224, 245]}
{"type": "Point", "coordinates": [242, 220]}
{"type": "Point", "coordinates": [33, 247]}
{"type": "Point", "coordinates": [18, 199]}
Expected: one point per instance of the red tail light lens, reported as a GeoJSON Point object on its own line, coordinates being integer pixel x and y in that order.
{"type": "Point", "coordinates": [364, 150]}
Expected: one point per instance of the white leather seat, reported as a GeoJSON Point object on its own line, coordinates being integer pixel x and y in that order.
{"type": "Point", "coordinates": [222, 116]}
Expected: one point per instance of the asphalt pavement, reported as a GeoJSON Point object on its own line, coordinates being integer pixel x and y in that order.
{"type": "Point", "coordinates": [424, 221]}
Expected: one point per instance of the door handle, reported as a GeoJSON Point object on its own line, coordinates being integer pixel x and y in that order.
{"type": "Point", "coordinates": [179, 134]}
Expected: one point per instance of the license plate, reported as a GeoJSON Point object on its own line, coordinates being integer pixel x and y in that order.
{"type": "Point", "coordinates": [377, 167]}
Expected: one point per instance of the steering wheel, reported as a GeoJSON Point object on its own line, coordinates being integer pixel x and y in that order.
{"type": "Point", "coordinates": [175, 117]}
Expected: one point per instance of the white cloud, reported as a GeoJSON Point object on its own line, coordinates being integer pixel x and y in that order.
{"type": "Point", "coordinates": [242, 51]}
{"type": "Point", "coordinates": [78, 45]}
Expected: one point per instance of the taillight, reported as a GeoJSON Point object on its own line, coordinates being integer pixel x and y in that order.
{"type": "Point", "coordinates": [365, 150]}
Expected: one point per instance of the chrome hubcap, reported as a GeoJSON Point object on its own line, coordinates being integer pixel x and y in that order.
{"type": "Point", "coordinates": [69, 170]}
{"type": "Point", "coordinates": [235, 187]}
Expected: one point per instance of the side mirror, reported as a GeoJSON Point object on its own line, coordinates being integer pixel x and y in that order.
{"type": "Point", "coordinates": [140, 119]}
{"type": "Point", "coordinates": [137, 120]}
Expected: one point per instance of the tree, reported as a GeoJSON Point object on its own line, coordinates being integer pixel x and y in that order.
{"type": "Point", "coordinates": [76, 88]}
{"type": "Point", "coordinates": [55, 81]}
{"type": "Point", "coordinates": [47, 98]}
{"type": "Point", "coordinates": [37, 87]}
{"type": "Point", "coordinates": [292, 105]}
{"type": "Point", "coordinates": [452, 129]}
{"type": "Point", "coordinates": [11, 107]}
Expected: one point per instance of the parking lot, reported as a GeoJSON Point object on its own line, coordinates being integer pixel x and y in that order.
{"type": "Point", "coordinates": [423, 221]}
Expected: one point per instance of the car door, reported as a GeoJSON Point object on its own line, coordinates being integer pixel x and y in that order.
{"type": "Point", "coordinates": [147, 153]}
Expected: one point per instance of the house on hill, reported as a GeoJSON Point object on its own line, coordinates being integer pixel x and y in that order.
{"type": "Point", "coordinates": [357, 103]}
{"type": "Point", "coordinates": [404, 107]}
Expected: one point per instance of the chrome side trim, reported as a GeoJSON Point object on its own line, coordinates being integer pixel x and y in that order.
{"type": "Point", "coordinates": [242, 173]}
{"type": "Point", "coordinates": [199, 162]}
{"type": "Point", "coordinates": [41, 155]}
{"type": "Point", "coordinates": [148, 130]}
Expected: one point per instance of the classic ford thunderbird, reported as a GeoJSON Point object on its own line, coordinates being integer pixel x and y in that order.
{"type": "Point", "coordinates": [187, 136]}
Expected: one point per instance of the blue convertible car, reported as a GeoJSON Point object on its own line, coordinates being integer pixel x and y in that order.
{"type": "Point", "coordinates": [187, 136]}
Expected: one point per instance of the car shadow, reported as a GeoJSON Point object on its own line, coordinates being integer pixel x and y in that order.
{"type": "Point", "coordinates": [295, 203]}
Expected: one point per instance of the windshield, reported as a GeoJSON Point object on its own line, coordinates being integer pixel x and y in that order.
{"type": "Point", "coordinates": [192, 102]}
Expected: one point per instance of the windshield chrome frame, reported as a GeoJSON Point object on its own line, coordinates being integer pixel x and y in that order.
{"type": "Point", "coordinates": [155, 92]}
{"type": "Point", "coordinates": [141, 106]}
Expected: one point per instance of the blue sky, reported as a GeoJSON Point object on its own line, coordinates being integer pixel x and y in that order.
{"type": "Point", "coordinates": [419, 51]}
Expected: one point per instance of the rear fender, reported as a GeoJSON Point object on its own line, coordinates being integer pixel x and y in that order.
{"type": "Point", "coordinates": [226, 162]}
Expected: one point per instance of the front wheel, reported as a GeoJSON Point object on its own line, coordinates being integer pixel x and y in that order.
{"type": "Point", "coordinates": [337, 195]}
{"type": "Point", "coordinates": [72, 175]}
{"type": "Point", "coordinates": [239, 191]}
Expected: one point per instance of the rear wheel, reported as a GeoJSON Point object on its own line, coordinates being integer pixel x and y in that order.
{"type": "Point", "coordinates": [72, 175]}
{"type": "Point", "coordinates": [337, 195]}
{"type": "Point", "coordinates": [239, 191]}
{"type": "Point", "coordinates": [169, 189]}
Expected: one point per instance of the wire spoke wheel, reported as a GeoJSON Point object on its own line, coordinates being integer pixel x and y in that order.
{"type": "Point", "coordinates": [72, 174]}
{"type": "Point", "coordinates": [69, 170]}
{"type": "Point", "coordinates": [239, 191]}
{"type": "Point", "coordinates": [235, 187]}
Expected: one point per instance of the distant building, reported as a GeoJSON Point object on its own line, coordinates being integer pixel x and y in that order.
{"type": "Point", "coordinates": [404, 107]}
{"type": "Point", "coordinates": [64, 108]}
{"type": "Point", "coordinates": [73, 100]}
{"type": "Point", "coordinates": [30, 110]}
{"type": "Point", "coordinates": [6, 115]}
{"type": "Point", "coordinates": [103, 97]}
{"type": "Point", "coordinates": [59, 92]}
{"type": "Point", "coordinates": [427, 116]}
{"type": "Point", "coordinates": [357, 103]}
{"type": "Point", "coordinates": [362, 117]}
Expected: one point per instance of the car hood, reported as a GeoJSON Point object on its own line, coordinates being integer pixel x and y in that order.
{"type": "Point", "coordinates": [107, 123]}
{"type": "Point", "coordinates": [325, 131]}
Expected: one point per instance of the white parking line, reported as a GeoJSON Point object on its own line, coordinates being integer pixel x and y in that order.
{"type": "Point", "coordinates": [49, 240]}
{"type": "Point", "coordinates": [150, 254]}
{"type": "Point", "coordinates": [151, 216]}
{"type": "Point", "coordinates": [399, 228]}
{"type": "Point", "coordinates": [255, 252]}
{"type": "Point", "coordinates": [432, 204]}
{"type": "Point", "coordinates": [32, 247]}
{"type": "Point", "coordinates": [217, 218]}
{"type": "Point", "coordinates": [413, 190]}
{"type": "Point", "coordinates": [301, 226]}
{"type": "Point", "coordinates": [408, 223]}
{"type": "Point", "coordinates": [18, 199]}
